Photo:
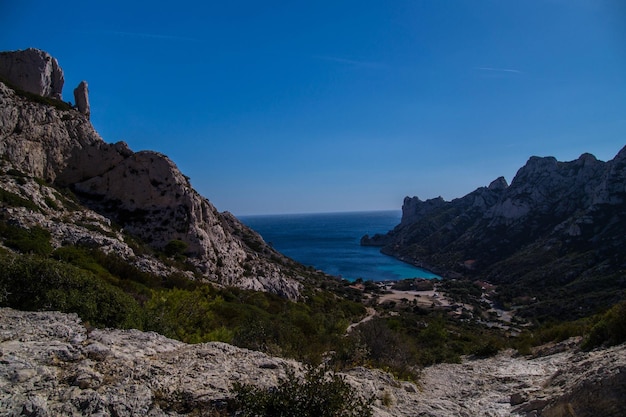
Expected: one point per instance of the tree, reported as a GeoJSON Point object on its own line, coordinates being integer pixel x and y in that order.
{"type": "Point", "coordinates": [175, 248]}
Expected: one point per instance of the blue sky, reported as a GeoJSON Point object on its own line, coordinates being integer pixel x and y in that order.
{"type": "Point", "coordinates": [291, 106]}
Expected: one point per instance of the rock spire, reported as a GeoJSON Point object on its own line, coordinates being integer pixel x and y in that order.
{"type": "Point", "coordinates": [81, 97]}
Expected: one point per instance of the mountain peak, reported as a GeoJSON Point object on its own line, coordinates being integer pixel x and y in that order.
{"type": "Point", "coordinates": [498, 184]}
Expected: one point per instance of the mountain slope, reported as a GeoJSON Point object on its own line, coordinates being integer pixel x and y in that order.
{"type": "Point", "coordinates": [553, 238]}
{"type": "Point", "coordinates": [51, 153]}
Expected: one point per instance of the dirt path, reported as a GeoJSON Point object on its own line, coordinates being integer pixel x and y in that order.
{"type": "Point", "coordinates": [371, 313]}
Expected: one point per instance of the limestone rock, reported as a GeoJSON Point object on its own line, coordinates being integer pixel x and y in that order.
{"type": "Point", "coordinates": [51, 365]}
{"type": "Point", "coordinates": [414, 208]}
{"type": "Point", "coordinates": [498, 184]}
{"type": "Point", "coordinates": [81, 98]}
{"type": "Point", "coordinates": [41, 140]}
{"type": "Point", "coordinates": [144, 192]}
{"type": "Point", "coordinates": [33, 70]}
{"type": "Point", "coordinates": [375, 240]}
{"type": "Point", "coordinates": [545, 185]}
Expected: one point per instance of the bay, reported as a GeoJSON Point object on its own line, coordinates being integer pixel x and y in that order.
{"type": "Point", "coordinates": [330, 242]}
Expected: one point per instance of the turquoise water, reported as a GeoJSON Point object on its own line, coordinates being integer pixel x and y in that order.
{"type": "Point", "coordinates": [330, 242]}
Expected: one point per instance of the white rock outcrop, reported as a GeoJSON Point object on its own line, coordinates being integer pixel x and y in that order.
{"type": "Point", "coordinates": [81, 98]}
{"type": "Point", "coordinates": [50, 365]}
{"type": "Point", "coordinates": [33, 70]}
{"type": "Point", "coordinates": [41, 140]}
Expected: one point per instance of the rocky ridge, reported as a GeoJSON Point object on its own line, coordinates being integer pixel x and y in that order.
{"type": "Point", "coordinates": [558, 225]}
{"type": "Point", "coordinates": [50, 364]}
{"type": "Point", "coordinates": [47, 149]}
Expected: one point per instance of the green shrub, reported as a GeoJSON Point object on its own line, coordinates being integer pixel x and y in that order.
{"type": "Point", "coordinates": [14, 200]}
{"type": "Point", "coordinates": [549, 332]}
{"type": "Point", "coordinates": [184, 315]}
{"type": "Point", "coordinates": [58, 104]}
{"type": "Point", "coordinates": [35, 240]}
{"type": "Point", "coordinates": [175, 247]}
{"type": "Point", "coordinates": [488, 348]}
{"type": "Point", "coordinates": [110, 267]}
{"type": "Point", "coordinates": [80, 257]}
{"type": "Point", "coordinates": [32, 283]}
{"type": "Point", "coordinates": [610, 329]}
{"type": "Point", "coordinates": [320, 393]}
{"type": "Point", "coordinates": [378, 343]}
{"type": "Point", "coordinates": [51, 203]}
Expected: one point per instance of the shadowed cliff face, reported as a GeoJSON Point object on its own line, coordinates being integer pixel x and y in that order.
{"type": "Point", "coordinates": [559, 226]}
{"type": "Point", "coordinates": [143, 192]}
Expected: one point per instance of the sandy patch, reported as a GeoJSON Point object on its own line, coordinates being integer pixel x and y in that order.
{"type": "Point", "coordinates": [422, 298]}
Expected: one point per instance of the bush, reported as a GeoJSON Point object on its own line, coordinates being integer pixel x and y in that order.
{"type": "Point", "coordinates": [175, 248]}
{"type": "Point", "coordinates": [31, 283]}
{"type": "Point", "coordinates": [14, 200]}
{"type": "Point", "coordinates": [58, 104]}
{"type": "Point", "coordinates": [610, 329]}
{"type": "Point", "coordinates": [320, 393]}
{"type": "Point", "coordinates": [184, 315]}
{"type": "Point", "coordinates": [35, 240]}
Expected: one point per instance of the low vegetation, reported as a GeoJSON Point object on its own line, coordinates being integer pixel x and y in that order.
{"type": "Point", "coordinates": [35, 283]}
{"type": "Point", "coordinates": [58, 104]}
{"type": "Point", "coordinates": [318, 393]}
{"type": "Point", "coordinates": [35, 240]}
{"type": "Point", "coordinates": [105, 290]}
{"type": "Point", "coordinates": [14, 200]}
{"type": "Point", "coordinates": [609, 328]}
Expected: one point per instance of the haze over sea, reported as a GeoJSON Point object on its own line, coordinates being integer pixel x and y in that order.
{"type": "Point", "coordinates": [330, 242]}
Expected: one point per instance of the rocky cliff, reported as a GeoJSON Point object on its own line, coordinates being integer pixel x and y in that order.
{"type": "Point", "coordinates": [34, 71]}
{"type": "Point", "coordinates": [50, 364]}
{"type": "Point", "coordinates": [558, 227]}
{"type": "Point", "coordinates": [48, 147]}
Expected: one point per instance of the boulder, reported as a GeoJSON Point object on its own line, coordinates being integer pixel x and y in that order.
{"type": "Point", "coordinates": [34, 71]}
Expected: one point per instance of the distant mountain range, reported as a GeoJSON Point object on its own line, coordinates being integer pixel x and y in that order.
{"type": "Point", "coordinates": [553, 240]}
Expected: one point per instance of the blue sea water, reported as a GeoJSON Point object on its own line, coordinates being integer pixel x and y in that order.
{"type": "Point", "coordinates": [330, 242]}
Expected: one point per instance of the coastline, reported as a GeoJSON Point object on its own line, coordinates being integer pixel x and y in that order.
{"type": "Point", "coordinates": [330, 242]}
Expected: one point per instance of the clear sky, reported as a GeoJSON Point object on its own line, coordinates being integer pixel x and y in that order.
{"type": "Point", "coordinates": [292, 106]}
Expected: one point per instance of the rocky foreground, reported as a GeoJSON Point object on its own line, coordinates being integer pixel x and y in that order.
{"type": "Point", "coordinates": [52, 365]}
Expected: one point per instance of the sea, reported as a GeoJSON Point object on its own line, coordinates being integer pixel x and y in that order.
{"type": "Point", "coordinates": [330, 242]}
